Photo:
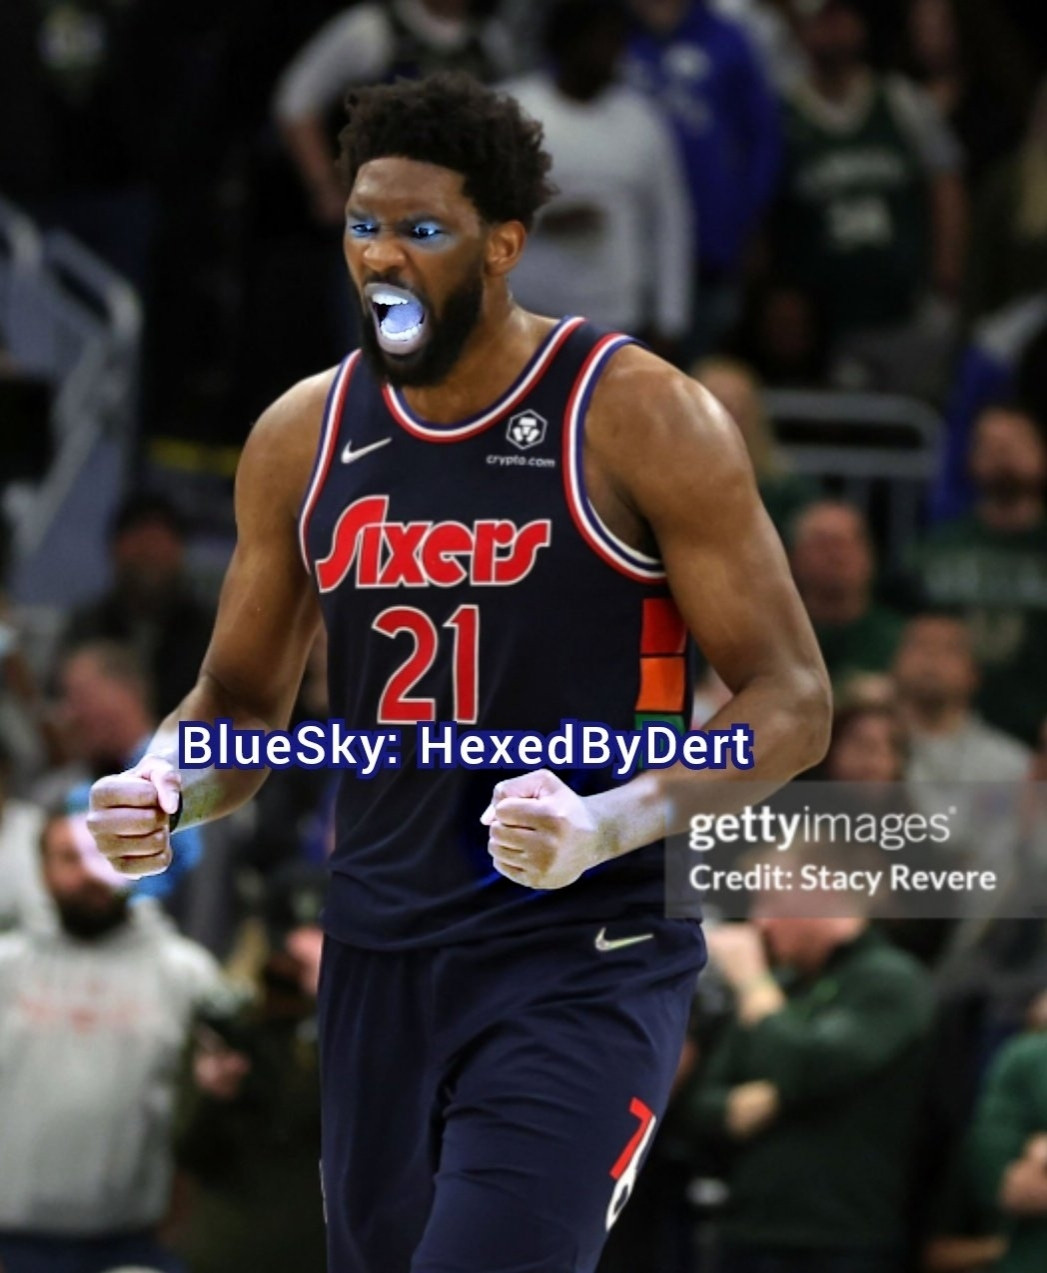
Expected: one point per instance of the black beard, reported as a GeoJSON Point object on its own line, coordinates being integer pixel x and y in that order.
{"type": "Point", "coordinates": [432, 363]}
{"type": "Point", "coordinates": [89, 923]}
{"type": "Point", "coordinates": [1010, 488]}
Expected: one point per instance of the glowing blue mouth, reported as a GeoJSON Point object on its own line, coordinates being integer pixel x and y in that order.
{"type": "Point", "coordinates": [399, 318]}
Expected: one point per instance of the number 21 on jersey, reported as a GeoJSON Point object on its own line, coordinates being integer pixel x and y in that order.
{"type": "Point", "coordinates": [397, 705]}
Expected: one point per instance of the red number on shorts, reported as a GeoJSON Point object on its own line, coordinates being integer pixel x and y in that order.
{"type": "Point", "coordinates": [396, 706]}
{"type": "Point", "coordinates": [625, 1170]}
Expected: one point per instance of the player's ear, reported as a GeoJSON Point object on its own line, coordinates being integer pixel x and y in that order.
{"type": "Point", "coordinates": [505, 242]}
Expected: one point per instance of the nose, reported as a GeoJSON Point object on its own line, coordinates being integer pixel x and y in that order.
{"type": "Point", "coordinates": [383, 254]}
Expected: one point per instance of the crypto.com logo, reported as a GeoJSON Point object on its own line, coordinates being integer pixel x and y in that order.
{"type": "Point", "coordinates": [526, 429]}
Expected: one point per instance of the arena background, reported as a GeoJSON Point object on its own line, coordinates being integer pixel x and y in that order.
{"type": "Point", "coordinates": [834, 214]}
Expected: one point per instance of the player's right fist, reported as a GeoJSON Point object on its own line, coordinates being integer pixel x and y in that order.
{"type": "Point", "coordinates": [130, 816]}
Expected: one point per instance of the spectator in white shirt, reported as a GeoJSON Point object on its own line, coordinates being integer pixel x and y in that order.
{"type": "Point", "coordinates": [616, 243]}
{"type": "Point", "coordinates": [23, 898]}
{"type": "Point", "coordinates": [366, 44]}
{"type": "Point", "coordinates": [95, 1010]}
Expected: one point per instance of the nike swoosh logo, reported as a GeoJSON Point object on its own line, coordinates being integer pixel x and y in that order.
{"type": "Point", "coordinates": [349, 455]}
{"type": "Point", "coordinates": [603, 944]}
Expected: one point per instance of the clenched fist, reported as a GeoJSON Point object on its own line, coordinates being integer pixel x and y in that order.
{"type": "Point", "coordinates": [543, 834]}
{"type": "Point", "coordinates": [130, 817]}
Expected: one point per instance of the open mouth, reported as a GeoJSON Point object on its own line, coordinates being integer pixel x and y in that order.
{"type": "Point", "coordinates": [399, 317]}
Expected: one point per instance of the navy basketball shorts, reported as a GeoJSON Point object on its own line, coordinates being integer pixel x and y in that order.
{"type": "Point", "coordinates": [487, 1106]}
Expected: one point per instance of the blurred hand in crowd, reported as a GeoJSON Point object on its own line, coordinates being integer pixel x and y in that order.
{"type": "Point", "coordinates": [218, 1070]}
{"type": "Point", "coordinates": [750, 1108]}
{"type": "Point", "coordinates": [739, 954]}
{"type": "Point", "coordinates": [1024, 1188]}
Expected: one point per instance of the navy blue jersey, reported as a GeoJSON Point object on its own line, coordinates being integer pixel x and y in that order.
{"type": "Point", "coordinates": [464, 575]}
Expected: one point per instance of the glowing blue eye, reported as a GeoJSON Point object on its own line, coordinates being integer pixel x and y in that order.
{"type": "Point", "coordinates": [425, 231]}
{"type": "Point", "coordinates": [361, 229]}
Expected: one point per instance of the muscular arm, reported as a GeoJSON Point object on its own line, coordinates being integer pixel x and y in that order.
{"type": "Point", "coordinates": [267, 619]}
{"type": "Point", "coordinates": [666, 468]}
{"type": "Point", "coordinates": [672, 460]}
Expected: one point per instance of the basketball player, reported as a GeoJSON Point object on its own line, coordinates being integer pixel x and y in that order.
{"type": "Point", "coordinates": [505, 520]}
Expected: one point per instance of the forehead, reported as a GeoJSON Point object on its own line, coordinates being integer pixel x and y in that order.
{"type": "Point", "coordinates": [830, 521]}
{"type": "Point", "coordinates": [400, 188]}
{"type": "Point", "coordinates": [1013, 423]}
{"type": "Point", "coordinates": [942, 627]}
{"type": "Point", "coordinates": [80, 669]}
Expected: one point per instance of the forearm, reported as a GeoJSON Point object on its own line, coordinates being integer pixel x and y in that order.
{"type": "Point", "coordinates": [308, 148]}
{"type": "Point", "coordinates": [210, 793]}
{"type": "Point", "coordinates": [789, 723]}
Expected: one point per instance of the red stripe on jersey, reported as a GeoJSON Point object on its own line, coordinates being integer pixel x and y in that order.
{"type": "Point", "coordinates": [663, 628]}
{"type": "Point", "coordinates": [571, 477]}
{"type": "Point", "coordinates": [328, 445]}
{"type": "Point", "coordinates": [515, 395]}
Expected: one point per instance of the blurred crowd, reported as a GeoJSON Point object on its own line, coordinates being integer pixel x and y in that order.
{"type": "Point", "coordinates": [813, 195]}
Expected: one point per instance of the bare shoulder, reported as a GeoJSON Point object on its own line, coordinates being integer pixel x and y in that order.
{"type": "Point", "coordinates": [280, 450]}
{"type": "Point", "coordinates": [656, 431]}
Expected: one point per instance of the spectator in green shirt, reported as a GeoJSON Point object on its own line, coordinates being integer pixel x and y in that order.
{"type": "Point", "coordinates": [816, 1084]}
{"type": "Point", "coordinates": [992, 566]}
{"type": "Point", "coordinates": [1008, 1148]}
{"type": "Point", "coordinates": [834, 566]}
{"type": "Point", "coordinates": [871, 217]}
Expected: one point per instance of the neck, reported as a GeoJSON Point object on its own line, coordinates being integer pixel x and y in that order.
{"type": "Point", "coordinates": [494, 355]}
{"type": "Point", "coordinates": [937, 720]}
{"type": "Point", "coordinates": [1020, 513]}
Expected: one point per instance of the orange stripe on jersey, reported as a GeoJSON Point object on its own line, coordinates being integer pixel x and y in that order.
{"type": "Point", "coordinates": [663, 683]}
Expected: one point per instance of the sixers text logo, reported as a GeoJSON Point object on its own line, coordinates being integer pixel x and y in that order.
{"type": "Point", "coordinates": [428, 554]}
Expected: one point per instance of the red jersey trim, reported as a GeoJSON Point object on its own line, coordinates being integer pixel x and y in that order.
{"type": "Point", "coordinates": [326, 449]}
{"type": "Point", "coordinates": [513, 396]}
{"type": "Point", "coordinates": [628, 561]}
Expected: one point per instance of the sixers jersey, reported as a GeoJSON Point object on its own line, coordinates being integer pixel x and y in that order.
{"type": "Point", "coordinates": [464, 575]}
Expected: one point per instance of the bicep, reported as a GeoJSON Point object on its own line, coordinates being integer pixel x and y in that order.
{"type": "Point", "coordinates": [267, 619]}
{"type": "Point", "coordinates": [268, 613]}
{"type": "Point", "coordinates": [724, 560]}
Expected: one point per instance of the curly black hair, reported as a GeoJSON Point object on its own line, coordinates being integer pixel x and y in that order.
{"type": "Point", "coordinates": [454, 121]}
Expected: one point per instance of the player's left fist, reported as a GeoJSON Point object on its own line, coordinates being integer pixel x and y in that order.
{"type": "Point", "coordinates": [543, 834]}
